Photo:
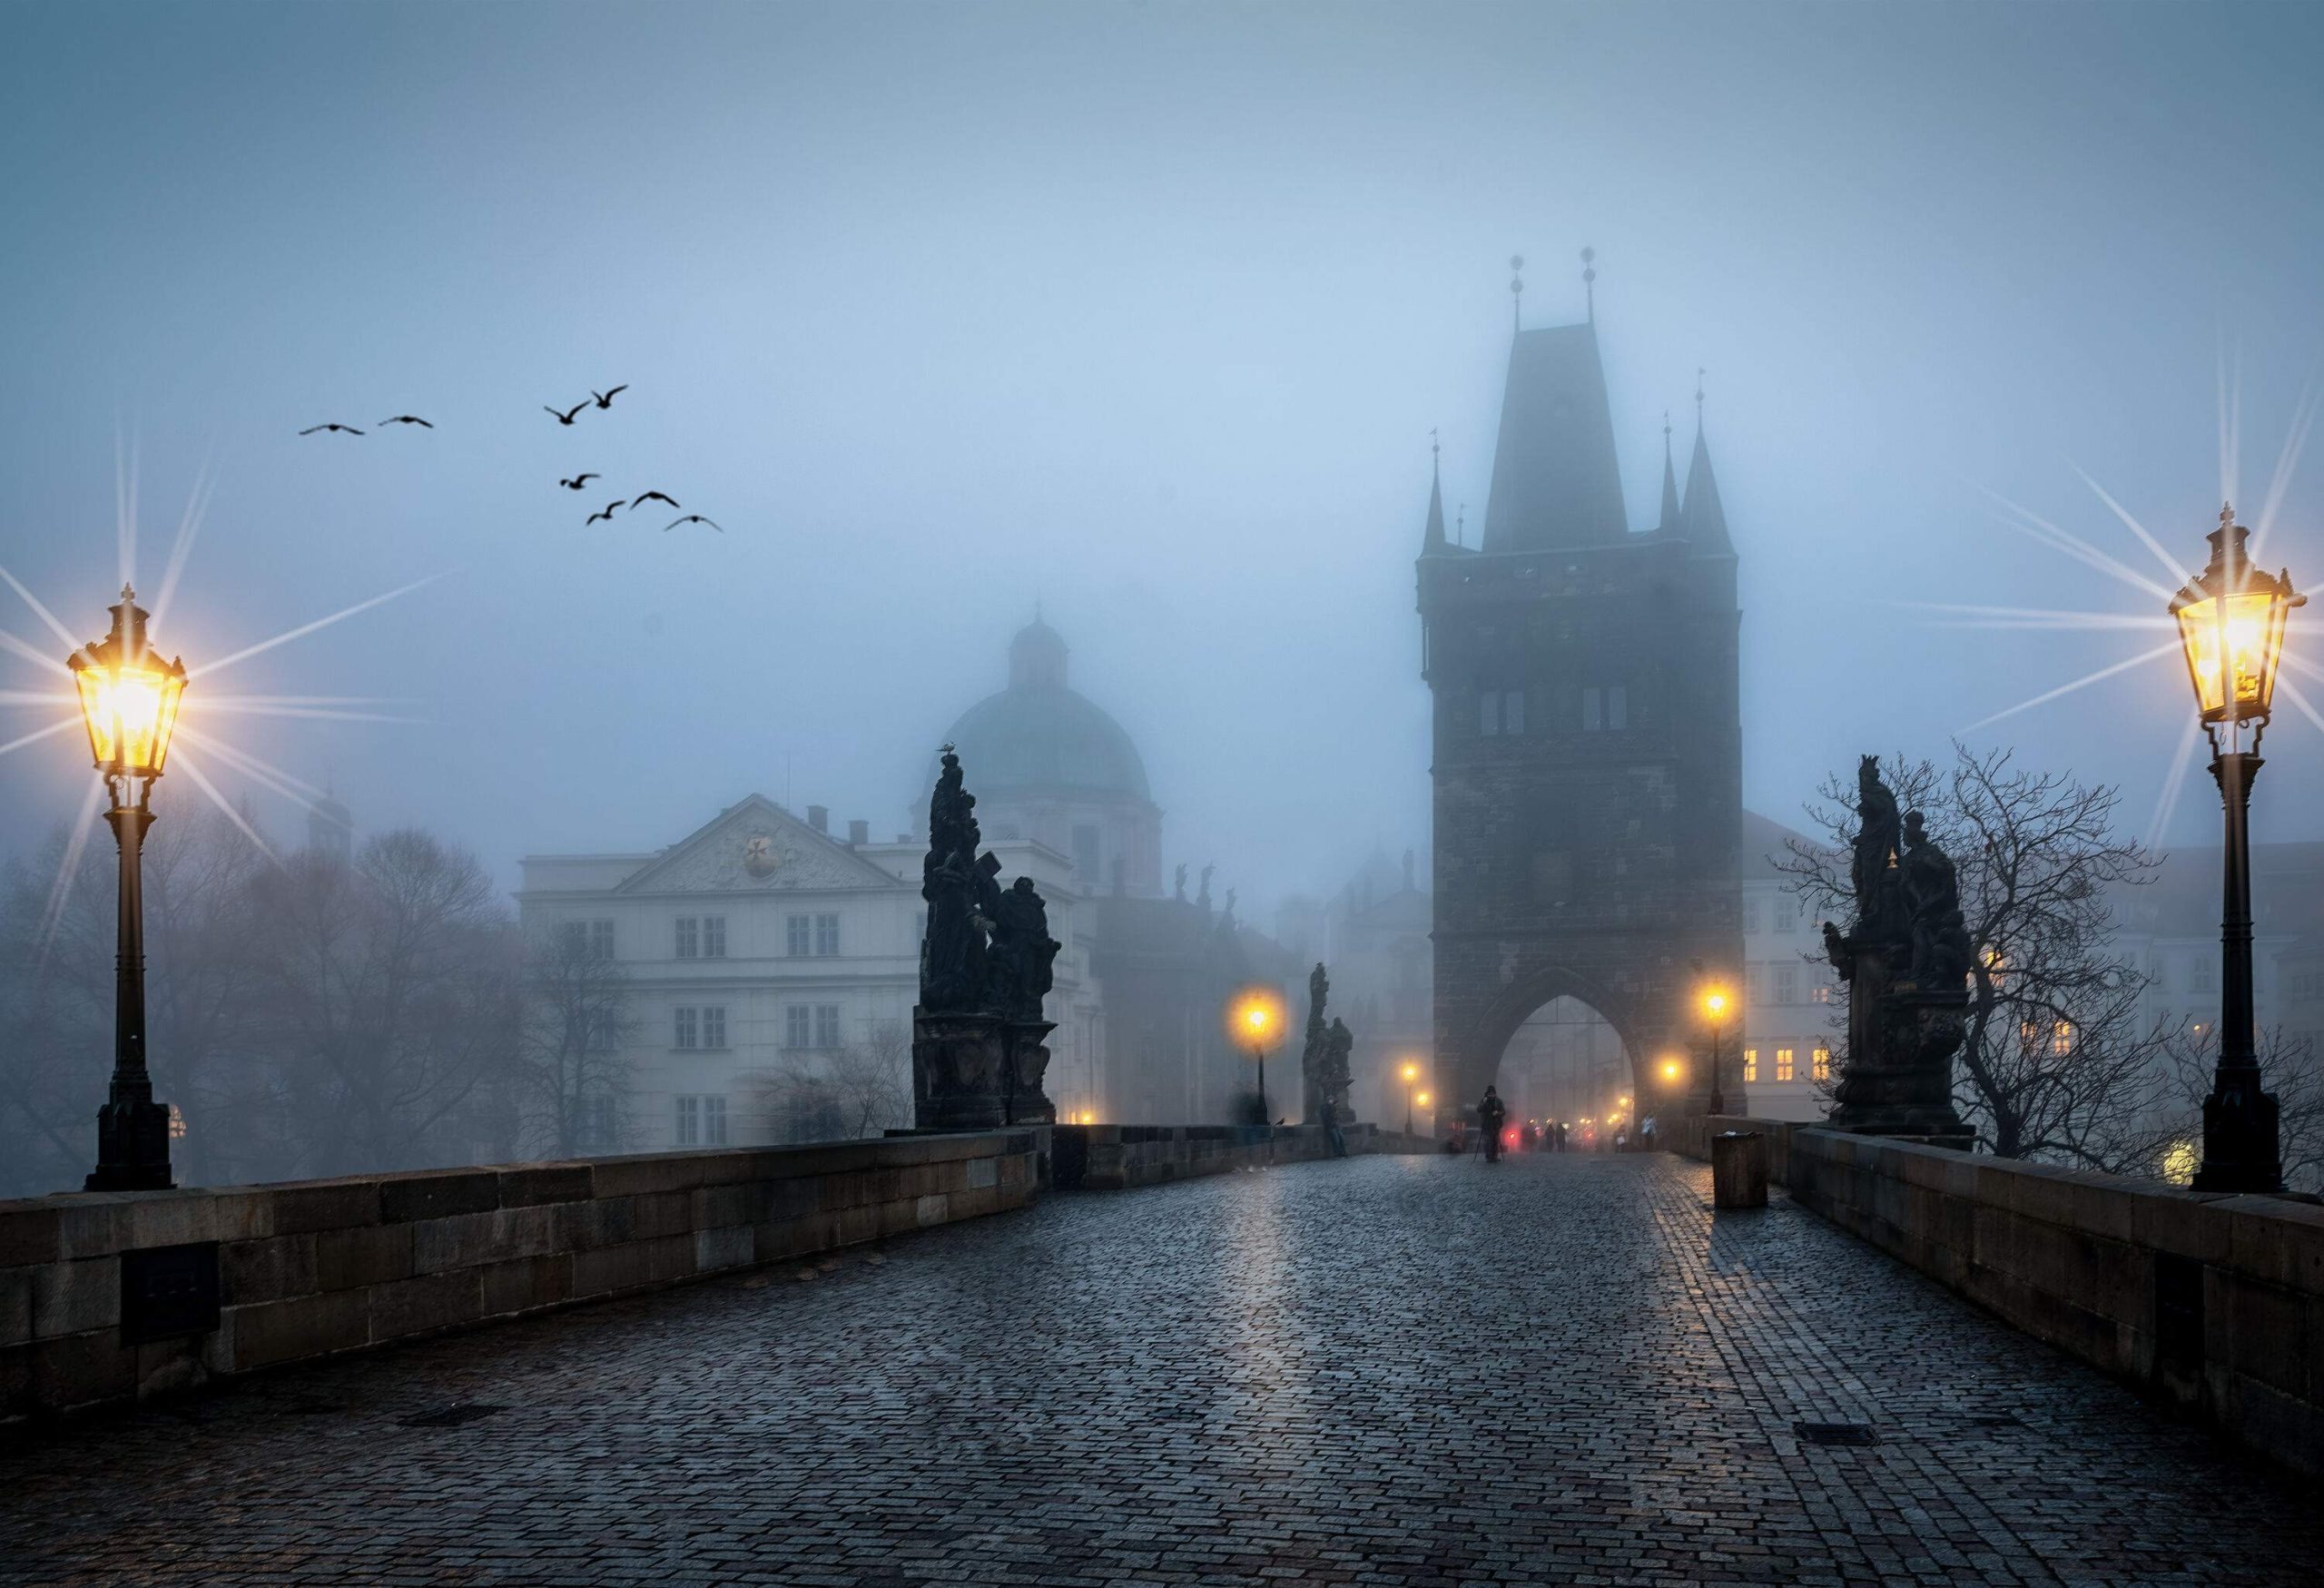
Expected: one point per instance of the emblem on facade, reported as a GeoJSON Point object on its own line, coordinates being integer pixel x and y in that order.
{"type": "Point", "coordinates": [760, 857]}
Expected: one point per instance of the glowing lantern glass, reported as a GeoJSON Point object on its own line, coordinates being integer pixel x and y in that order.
{"type": "Point", "coordinates": [1255, 1016]}
{"type": "Point", "coordinates": [2231, 620]}
{"type": "Point", "coordinates": [129, 695]}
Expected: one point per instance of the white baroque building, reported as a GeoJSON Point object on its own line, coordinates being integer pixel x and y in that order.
{"type": "Point", "coordinates": [762, 951]}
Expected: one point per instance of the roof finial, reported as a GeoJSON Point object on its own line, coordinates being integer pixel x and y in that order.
{"type": "Point", "coordinates": [1590, 280]}
{"type": "Point", "coordinates": [1460, 524]}
{"type": "Point", "coordinates": [1516, 293]}
{"type": "Point", "coordinates": [1700, 373]}
{"type": "Point", "coordinates": [1433, 449]}
{"type": "Point", "coordinates": [2226, 516]}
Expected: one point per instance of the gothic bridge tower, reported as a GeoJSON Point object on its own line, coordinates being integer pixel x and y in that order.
{"type": "Point", "coordinates": [1587, 750]}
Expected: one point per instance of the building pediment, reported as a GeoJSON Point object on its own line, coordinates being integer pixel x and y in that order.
{"type": "Point", "coordinates": [756, 847]}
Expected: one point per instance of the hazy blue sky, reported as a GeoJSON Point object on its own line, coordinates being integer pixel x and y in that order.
{"type": "Point", "coordinates": [1146, 309]}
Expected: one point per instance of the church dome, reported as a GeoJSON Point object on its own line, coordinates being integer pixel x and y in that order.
{"type": "Point", "coordinates": [1039, 735]}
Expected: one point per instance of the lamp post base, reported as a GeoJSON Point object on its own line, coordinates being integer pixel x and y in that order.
{"type": "Point", "coordinates": [2240, 1141]}
{"type": "Point", "coordinates": [132, 1147]}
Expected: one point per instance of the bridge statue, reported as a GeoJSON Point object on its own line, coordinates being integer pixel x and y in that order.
{"type": "Point", "coordinates": [977, 1042]}
{"type": "Point", "coordinates": [1324, 1070]}
{"type": "Point", "coordinates": [1906, 960]}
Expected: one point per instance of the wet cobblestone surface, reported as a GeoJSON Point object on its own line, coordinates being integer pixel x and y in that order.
{"type": "Point", "coordinates": [1383, 1371]}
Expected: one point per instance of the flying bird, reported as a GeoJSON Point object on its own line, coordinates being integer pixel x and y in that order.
{"type": "Point", "coordinates": [408, 419]}
{"type": "Point", "coordinates": [578, 480]}
{"type": "Point", "coordinates": [564, 418]}
{"type": "Point", "coordinates": [691, 519]}
{"type": "Point", "coordinates": [343, 430]}
{"type": "Point", "coordinates": [606, 515]}
{"type": "Point", "coordinates": [655, 496]}
{"type": "Point", "coordinates": [606, 398]}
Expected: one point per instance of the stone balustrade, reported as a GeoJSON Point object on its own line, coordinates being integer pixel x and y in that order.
{"type": "Point", "coordinates": [2213, 1303]}
{"type": "Point", "coordinates": [110, 1298]}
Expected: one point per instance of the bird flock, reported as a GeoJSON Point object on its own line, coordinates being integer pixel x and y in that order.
{"type": "Point", "coordinates": [564, 417]}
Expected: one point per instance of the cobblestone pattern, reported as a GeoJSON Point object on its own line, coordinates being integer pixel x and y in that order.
{"type": "Point", "coordinates": [1377, 1371]}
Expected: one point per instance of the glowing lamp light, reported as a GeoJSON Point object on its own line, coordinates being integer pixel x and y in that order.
{"type": "Point", "coordinates": [1255, 1015]}
{"type": "Point", "coordinates": [1670, 1070]}
{"type": "Point", "coordinates": [129, 695]}
{"type": "Point", "coordinates": [1412, 1071]}
{"type": "Point", "coordinates": [1423, 1099]}
{"type": "Point", "coordinates": [2232, 619]}
{"type": "Point", "coordinates": [1714, 1003]}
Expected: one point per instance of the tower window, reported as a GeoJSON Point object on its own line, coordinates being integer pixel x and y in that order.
{"type": "Point", "coordinates": [1593, 710]}
{"type": "Point", "coordinates": [1512, 711]}
{"type": "Point", "coordinates": [1488, 712]}
{"type": "Point", "coordinates": [1618, 708]}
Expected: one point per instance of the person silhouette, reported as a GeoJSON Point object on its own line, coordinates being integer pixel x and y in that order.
{"type": "Point", "coordinates": [1490, 1113]}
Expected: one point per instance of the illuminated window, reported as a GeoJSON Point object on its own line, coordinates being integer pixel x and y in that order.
{"type": "Point", "coordinates": [1822, 995]}
{"type": "Point", "coordinates": [1750, 1064]}
{"type": "Point", "coordinates": [177, 1123]}
{"type": "Point", "coordinates": [1783, 1064]}
{"type": "Point", "coordinates": [1822, 1058]}
{"type": "Point", "coordinates": [2062, 1038]}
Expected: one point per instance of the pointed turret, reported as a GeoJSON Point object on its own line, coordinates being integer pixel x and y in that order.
{"type": "Point", "coordinates": [1431, 540]}
{"type": "Point", "coordinates": [1670, 521]}
{"type": "Point", "coordinates": [1705, 519]}
{"type": "Point", "coordinates": [1555, 481]}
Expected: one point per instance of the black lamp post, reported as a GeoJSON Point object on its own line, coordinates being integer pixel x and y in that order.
{"type": "Point", "coordinates": [1714, 999]}
{"type": "Point", "coordinates": [129, 700]}
{"type": "Point", "coordinates": [2231, 619]}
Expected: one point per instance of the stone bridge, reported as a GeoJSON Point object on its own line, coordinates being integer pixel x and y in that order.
{"type": "Point", "coordinates": [1392, 1369]}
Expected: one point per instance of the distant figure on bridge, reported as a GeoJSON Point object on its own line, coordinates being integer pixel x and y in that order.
{"type": "Point", "coordinates": [1560, 1135]}
{"type": "Point", "coordinates": [1490, 1113]}
{"type": "Point", "coordinates": [1646, 1134]}
{"type": "Point", "coordinates": [1532, 1138]}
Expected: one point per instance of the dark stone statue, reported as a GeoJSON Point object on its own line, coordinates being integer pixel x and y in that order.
{"type": "Point", "coordinates": [1932, 896]}
{"type": "Point", "coordinates": [1335, 1074]}
{"type": "Point", "coordinates": [1019, 973]}
{"type": "Point", "coordinates": [1202, 897]}
{"type": "Point", "coordinates": [1178, 888]}
{"type": "Point", "coordinates": [1905, 961]}
{"type": "Point", "coordinates": [952, 954]}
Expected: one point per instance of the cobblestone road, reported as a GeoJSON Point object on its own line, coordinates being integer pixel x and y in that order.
{"type": "Point", "coordinates": [1380, 1371]}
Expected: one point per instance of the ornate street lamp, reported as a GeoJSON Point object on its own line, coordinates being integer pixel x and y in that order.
{"type": "Point", "coordinates": [129, 699]}
{"type": "Point", "coordinates": [1257, 1014]}
{"type": "Point", "coordinates": [2232, 619]}
{"type": "Point", "coordinates": [1715, 1005]}
{"type": "Point", "coordinates": [1411, 1075]}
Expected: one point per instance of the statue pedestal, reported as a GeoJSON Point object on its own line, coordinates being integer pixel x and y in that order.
{"type": "Point", "coordinates": [959, 1071]}
{"type": "Point", "coordinates": [1898, 1077]}
{"type": "Point", "coordinates": [1026, 1060]}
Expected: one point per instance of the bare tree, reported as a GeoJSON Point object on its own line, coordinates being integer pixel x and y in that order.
{"type": "Point", "coordinates": [391, 993]}
{"type": "Point", "coordinates": [2055, 1063]}
{"type": "Point", "coordinates": [852, 1091]}
{"type": "Point", "coordinates": [2187, 1054]}
{"type": "Point", "coordinates": [572, 1069]}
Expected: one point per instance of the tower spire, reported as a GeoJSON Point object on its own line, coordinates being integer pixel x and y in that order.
{"type": "Point", "coordinates": [1704, 517]}
{"type": "Point", "coordinates": [1516, 294]}
{"type": "Point", "coordinates": [1589, 282]}
{"type": "Point", "coordinates": [1670, 516]}
{"type": "Point", "coordinates": [1431, 540]}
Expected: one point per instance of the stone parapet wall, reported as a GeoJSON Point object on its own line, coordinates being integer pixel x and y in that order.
{"type": "Point", "coordinates": [312, 1269]}
{"type": "Point", "coordinates": [2213, 1303]}
{"type": "Point", "coordinates": [1108, 1157]}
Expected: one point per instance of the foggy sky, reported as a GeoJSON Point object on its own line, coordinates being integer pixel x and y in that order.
{"type": "Point", "coordinates": [1143, 312]}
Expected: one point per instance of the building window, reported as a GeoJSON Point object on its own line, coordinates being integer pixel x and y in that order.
{"type": "Point", "coordinates": [795, 929]}
{"type": "Point", "coordinates": [826, 935]}
{"type": "Point", "coordinates": [1783, 1064]}
{"type": "Point", "coordinates": [714, 937]}
{"type": "Point", "coordinates": [1512, 711]}
{"type": "Point", "coordinates": [1787, 913]}
{"type": "Point", "coordinates": [1787, 984]}
{"type": "Point", "coordinates": [2062, 1038]}
{"type": "Point", "coordinates": [1488, 712]}
{"type": "Point", "coordinates": [687, 1027]}
{"type": "Point", "coordinates": [714, 1121]}
{"type": "Point", "coordinates": [1750, 915]}
{"type": "Point", "coordinates": [689, 1127]}
{"type": "Point", "coordinates": [1822, 1059]}
{"type": "Point", "coordinates": [601, 939]}
{"type": "Point", "coordinates": [1085, 852]}
{"type": "Point", "coordinates": [589, 939]}
{"type": "Point", "coordinates": [1820, 994]}
{"type": "Point", "coordinates": [714, 1026]}
{"type": "Point", "coordinates": [827, 1025]}
{"type": "Point", "coordinates": [1750, 1064]}
{"type": "Point", "coordinates": [2200, 980]}
{"type": "Point", "coordinates": [1618, 708]}
{"type": "Point", "coordinates": [1593, 710]}
{"type": "Point", "coordinates": [1754, 983]}
{"type": "Point", "coordinates": [798, 1026]}
{"type": "Point", "coordinates": [689, 937]}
